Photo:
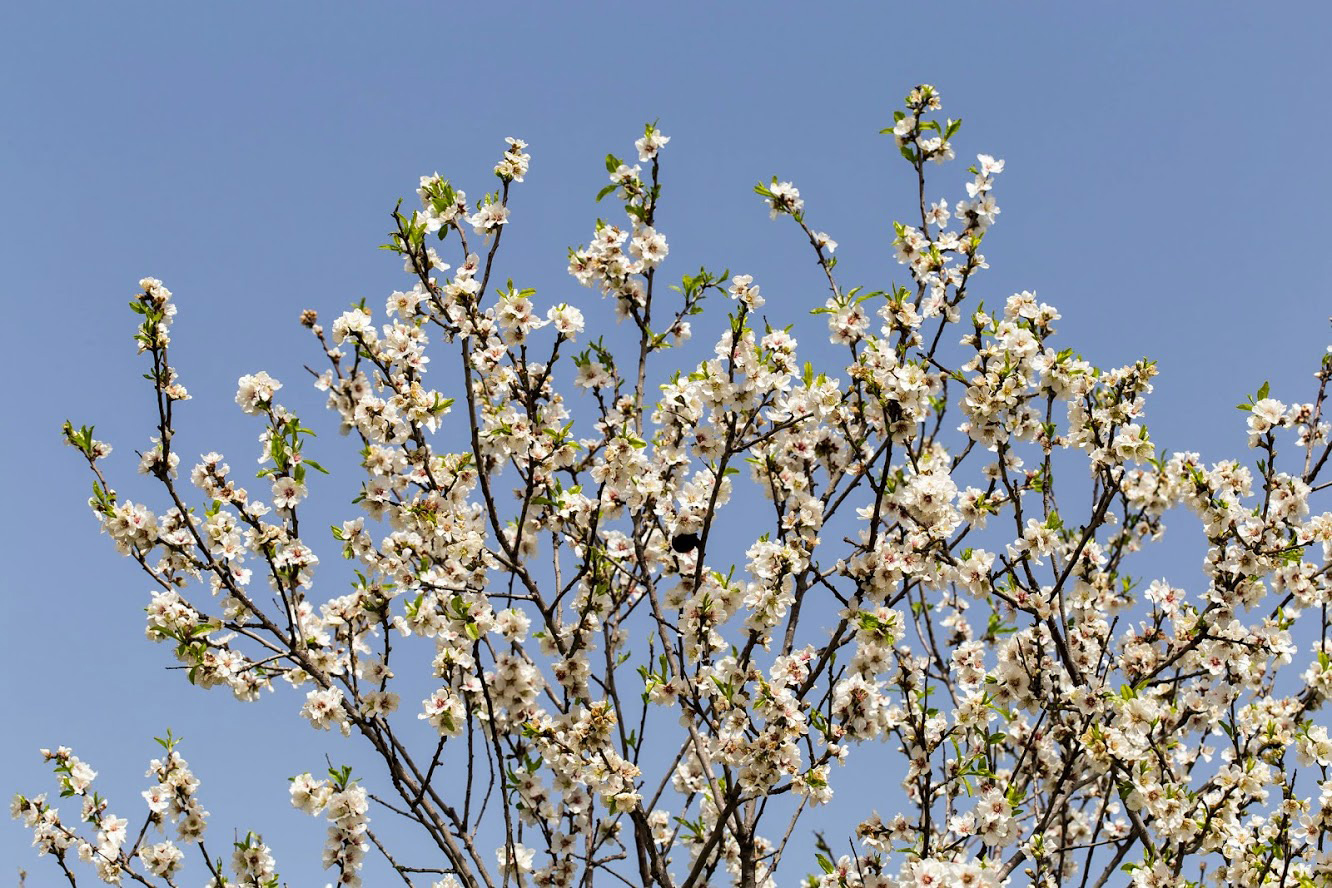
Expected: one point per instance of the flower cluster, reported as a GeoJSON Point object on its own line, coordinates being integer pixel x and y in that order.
{"type": "Point", "coordinates": [345, 805]}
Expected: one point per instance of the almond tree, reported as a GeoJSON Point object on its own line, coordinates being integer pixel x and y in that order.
{"type": "Point", "coordinates": [617, 701]}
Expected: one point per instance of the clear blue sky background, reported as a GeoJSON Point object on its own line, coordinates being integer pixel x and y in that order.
{"type": "Point", "coordinates": [1167, 188]}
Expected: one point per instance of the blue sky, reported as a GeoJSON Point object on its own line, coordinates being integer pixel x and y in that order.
{"type": "Point", "coordinates": [1166, 188]}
